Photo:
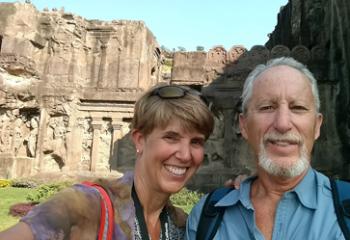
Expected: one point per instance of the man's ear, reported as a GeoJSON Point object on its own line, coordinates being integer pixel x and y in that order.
{"type": "Point", "coordinates": [243, 125]}
{"type": "Point", "coordinates": [138, 139]}
{"type": "Point", "coordinates": [319, 120]}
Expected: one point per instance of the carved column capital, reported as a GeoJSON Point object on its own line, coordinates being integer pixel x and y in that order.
{"type": "Point", "coordinates": [96, 123]}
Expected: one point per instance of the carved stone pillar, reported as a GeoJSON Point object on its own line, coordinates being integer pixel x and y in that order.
{"type": "Point", "coordinates": [38, 161]}
{"type": "Point", "coordinates": [228, 137]}
{"type": "Point", "coordinates": [117, 134]}
{"type": "Point", "coordinates": [96, 126]}
{"type": "Point", "coordinates": [70, 142]}
{"type": "Point", "coordinates": [74, 145]}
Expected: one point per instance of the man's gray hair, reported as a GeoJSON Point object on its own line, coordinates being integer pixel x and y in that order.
{"type": "Point", "coordinates": [287, 61]}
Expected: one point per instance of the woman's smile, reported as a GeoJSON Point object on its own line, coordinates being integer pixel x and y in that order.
{"type": "Point", "coordinates": [178, 171]}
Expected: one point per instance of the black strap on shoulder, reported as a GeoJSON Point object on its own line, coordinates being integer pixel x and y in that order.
{"type": "Point", "coordinates": [211, 216]}
{"type": "Point", "coordinates": [341, 199]}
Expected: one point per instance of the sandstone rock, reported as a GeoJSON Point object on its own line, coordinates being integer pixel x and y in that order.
{"type": "Point", "coordinates": [63, 78]}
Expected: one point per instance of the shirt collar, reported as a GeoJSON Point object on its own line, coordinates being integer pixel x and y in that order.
{"type": "Point", "coordinates": [306, 191]}
{"type": "Point", "coordinates": [242, 194]}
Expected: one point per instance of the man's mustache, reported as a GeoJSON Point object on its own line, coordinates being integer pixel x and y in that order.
{"type": "Point", "coordinates": [289, 137]}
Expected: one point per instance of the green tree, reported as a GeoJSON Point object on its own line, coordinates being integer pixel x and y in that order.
{"type": "Point", "coordinates": [164, 49]}
{"type": "Point", "coordinates": [181, 49]}
{"type": "Point", "coordinates": [200, 48]}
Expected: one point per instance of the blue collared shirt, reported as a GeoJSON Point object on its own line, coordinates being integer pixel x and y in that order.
{"type": "Point", "coordinates": [306, 212]}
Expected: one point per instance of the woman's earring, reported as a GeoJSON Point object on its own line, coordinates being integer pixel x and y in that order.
{"type": "Point", "coordinates": [137, 150]}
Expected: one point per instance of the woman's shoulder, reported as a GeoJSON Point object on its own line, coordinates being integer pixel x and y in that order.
{"type": "Point", "coordinates": [117, 187]}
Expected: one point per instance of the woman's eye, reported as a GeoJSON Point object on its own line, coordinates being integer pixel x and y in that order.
{"type": "Point", "coordinates": [199, 142]}
{"type": "Point", "coordinates": [170, 137]}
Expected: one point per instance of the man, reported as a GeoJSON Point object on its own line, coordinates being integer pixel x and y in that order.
{"type": "Point", "coordinates": [287, 199]}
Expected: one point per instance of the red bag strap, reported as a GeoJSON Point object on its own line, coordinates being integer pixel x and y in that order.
{"type": "Point", "coordinates": [106, 220]}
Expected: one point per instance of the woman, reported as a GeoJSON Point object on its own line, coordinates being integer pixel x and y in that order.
{"type": "Point", "coordinates": [170, 126]}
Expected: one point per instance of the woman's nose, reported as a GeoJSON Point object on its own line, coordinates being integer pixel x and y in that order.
{"type": "Point", "coordinates": [184, 152]}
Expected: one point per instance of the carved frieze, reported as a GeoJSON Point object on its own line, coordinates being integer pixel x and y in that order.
{"type": "Point", "coordinates": [301, 53]}
{"type": "Point", "coordinates": [279, 51]}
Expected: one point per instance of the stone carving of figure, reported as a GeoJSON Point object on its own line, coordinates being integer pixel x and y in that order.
{"type": "Point", "coordinates": [215, 144]}
{"type": "Point", "coordinates": [59, 139]}
{"type": "Point", "coordinates": [105, 146]}
{"type": "Point", "coordinates": [56, 141]}
{"type": "Point", "coordinates": [33, 136]}
{"type": "Point", "coordinates": [17, 136]}
{"type": "Point", "coordinates": [5, 135]}
{"type": "Point", "coordinates": [235, 53]}
{"type": "Point", "coordinates": [86, 144]}
{"type": "Point", "coordinates": [11, 135]}
{"type": "Point", "coordinates": [217, 54]}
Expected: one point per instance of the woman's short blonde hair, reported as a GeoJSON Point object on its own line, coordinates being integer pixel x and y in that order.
{"type": "Point", "coordinates": [152, 111]}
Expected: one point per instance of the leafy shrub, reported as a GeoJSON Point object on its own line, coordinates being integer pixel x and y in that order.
{"type": "Point", "coordinates": [45, 191]}
{"type": "Point", "coordinates": [168, 62]}
{"type": "Point", "coordinates": [5, 183]}
{"type": "Point", "coordinates": [24, 184]}
{"type": "Point", "coordinates": [186, 199]}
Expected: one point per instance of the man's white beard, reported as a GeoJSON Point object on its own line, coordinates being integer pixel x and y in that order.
{"type": "Point", "coordinates": [282, 169]}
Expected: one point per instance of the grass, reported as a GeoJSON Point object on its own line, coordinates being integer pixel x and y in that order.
{"type": "Point", "coordinates": [8, 197]}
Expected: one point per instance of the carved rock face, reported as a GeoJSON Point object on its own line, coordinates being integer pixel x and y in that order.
{"type": "Point", "coordinates": [57, 68]}
{"type": "Point", "coordinates": [323, 28]}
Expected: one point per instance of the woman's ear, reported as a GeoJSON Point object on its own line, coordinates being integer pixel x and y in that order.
{"type": "Point", "coordinates": [138, 139]}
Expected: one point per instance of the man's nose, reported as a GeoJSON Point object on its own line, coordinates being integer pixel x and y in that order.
{"type": "Point", "coordinates": [282, 121]}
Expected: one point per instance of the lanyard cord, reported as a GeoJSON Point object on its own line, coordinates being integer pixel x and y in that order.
{"type": "Point", "coordinates": [141, 218]}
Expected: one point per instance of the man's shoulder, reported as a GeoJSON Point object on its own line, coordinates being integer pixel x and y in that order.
{"type": "Point", "coordinates": [322, 185]}
{"type": "Point", "coordinates": [322, 179]}
{"type": "Point", "coordinates": [221, 197]}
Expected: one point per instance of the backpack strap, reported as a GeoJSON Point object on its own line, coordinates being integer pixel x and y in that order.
{"type": "Point", "coordinates": [107, 213]}
{"type": "Point", "coordinates": [341, 199]}
{"type": "Point", "coordinates": [211, 216]}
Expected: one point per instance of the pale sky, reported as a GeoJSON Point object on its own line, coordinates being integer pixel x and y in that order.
{"type": "Point", "coordinates": [185, 23]}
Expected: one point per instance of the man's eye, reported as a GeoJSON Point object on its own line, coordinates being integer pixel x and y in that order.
{"type": "Point", "coordinates": [266, 108]}
{"type": "Point", "coordinates": [299, 108]}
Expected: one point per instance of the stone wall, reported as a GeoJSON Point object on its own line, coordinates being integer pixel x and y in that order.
{"type": "Point", "coordinates": [67, 88]}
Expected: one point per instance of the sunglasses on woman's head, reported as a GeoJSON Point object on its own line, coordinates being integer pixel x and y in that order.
{"type": "Point", "coordinates": [171, 92]}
